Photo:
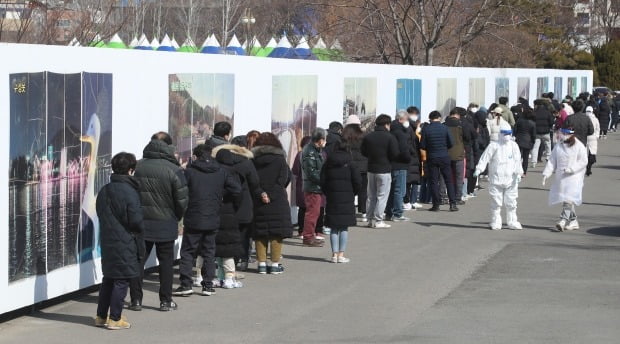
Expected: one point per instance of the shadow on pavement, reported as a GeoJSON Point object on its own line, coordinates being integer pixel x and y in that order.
{"type": "Point", "coordinates": [314, 259]}
{"type": "Point", "coordinates": [66, 318]}
{"type": "Point", "coordinates": [602, 204]}
{"type": "Point", "coordinates": [477, 225]}
{"type": "Point", "coordinates": [609, 167]}
{"type": "Point", "coordinates": [607, 231]}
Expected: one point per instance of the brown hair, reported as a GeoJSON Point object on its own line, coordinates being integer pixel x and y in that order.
{"type": "Point", "coordinates": [251, 137]}
{"type": "Point", "coordinates": [570, 141]}
{"type": "Point", "coordinates": [268, 139]}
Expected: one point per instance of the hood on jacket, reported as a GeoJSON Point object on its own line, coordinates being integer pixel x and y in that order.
{"type": "Point", "coordinates": [217, 141]}
{"type": "Point", "coordinates": [205, 166]}
{"type": "Point", "coordinates": [234, 149]}
{"type": "Point", "coordinates": [452, 122]}
{"type": "Point", "coordinates": [224, 156]}
{"type": "Point", "coordinates": [265, 155]}
{"type": "Point", "coordinates": [481, 117]}
{"type": "Point", "coordinates": [157, 149]}
{"type": "Point", "coordinates": [396, 125]}
{"type": "Point", "coordinates": [121, 178]}
{"type": "Point", "coordinates": [338, 158]}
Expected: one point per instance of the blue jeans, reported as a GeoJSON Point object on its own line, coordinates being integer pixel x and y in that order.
{"type": "Point", "coordinates": [338, 239]}
{"type": "Point", "coordinates": [397, 194]}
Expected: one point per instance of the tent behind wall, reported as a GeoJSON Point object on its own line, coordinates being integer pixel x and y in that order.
{"type": "Point", "coordinates": [265, 51]}
{"type": "Point", "coordinates": [282, 49]}
{"type": "Point", "coordinates": [143, 43]}
{"type": "Point", "coordinates": [211, 46]}
{"type": "Point", "coordinates": [116, 43]}
{"type": "Point", "coordinates": [166, 45]}
{"type": "Point", "coordinates": [188, 47]}
{"type": "Point", "coordinates": [234, 47]}
{"type": "Point", "coordinates": [301, 52]}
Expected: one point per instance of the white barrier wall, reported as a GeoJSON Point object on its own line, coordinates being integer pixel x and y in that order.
{"type": "Point", "coordinates": [135, 100]}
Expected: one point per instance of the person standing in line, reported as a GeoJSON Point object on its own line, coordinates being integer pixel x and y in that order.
{"type": "Point", "coordinates": [615, 115]}
{"type": "Point", "coordinates": [272, 213]}
{"type": "Point", "coordinates": [505, 171]}
{"type": "Point", "coordinates": [436, 140]}
{"type": "Point", "coordinates": [121, 220]}
{"type": "Point", "coordinates": [352, 137]}
{"type": "Point", "coordinates": [334, 135]}
{"type": "Point", "coordinates": [544, 123]}
{"type": "Point", "coordinates": [311, 164]}
{"type": "Point", "coordinates": [341, 181]}
{"type": "Point", "coordinates": [299, 186]}
{"type": "Point", "coordinates": [604, 112]}
{"type": "Point", "coordinates": [457, 151]}
{"type": "Point", "coordinates": [381, 148]}
{"type": "Point", "coordinates": [414, 173]}
{"type": "Point", "coordinates": [164, 196]}
{"type": "Point", "coordinates": [208, 185]}
{"type": "Point", "coordinates": [506, 113]}
{"type": "Point", "coordinates": [400, 129]}
{"type": "Point", "coordinates": [221, 134]}
{"type": "Point", "coordinates": [568, 161]}
{"type": "Point", "coordinates": [592, 142]}
{"type": "Point", "coordinates": [525, 134]}
{"type": "Point", "coordinates": [580, 123]}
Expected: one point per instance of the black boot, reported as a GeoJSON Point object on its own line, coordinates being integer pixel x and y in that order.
{"type": "Point", "coordinates": [135, 306]}
{"type": "Point", "coordinates": [453, 207]}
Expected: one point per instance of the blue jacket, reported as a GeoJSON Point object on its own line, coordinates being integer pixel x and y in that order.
{"type": "Point", "coordinates": [436, 140]}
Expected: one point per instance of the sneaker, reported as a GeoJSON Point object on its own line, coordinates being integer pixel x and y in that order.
{"type": "Point", "coordinates": [183, 291]}
{"type": "Point", "coordinates": [400, 219]}
{"type": "Point", "coordinates": [262, 269]}
{"type": "Point", "coordinates": [363, 218]}
{"type": "Point", "coordinates": [471, 195]}
{"type": "Point", "coordinates": [453, 207]}
{"type": "Point", "coordinates": [207, 291]}
{"type": "Point", "coordinates": [197, 281]}
{"type": "Point", "coordinates": [515, 226]}
{"type": "Point", "coordinates": [407, 206]}
{"type": "Point", "coordinates": [120, 324]}
{"type": "Point", "coordinates": [230, 283]}
{"type": "Point", "coordinates": [101, 322]}
{"type": "Point", "coordinates": [334, 260]}
{"type": "Point", "coordinates": [318, 237]}
{"type": "Point", "coordinates": [561, 225]}
{"type": "Point", "coordinates": [216, 283]}
{"type": "Point", "coordinates": [417, 205]}
{"type": "Point", "coordinates": [276, 270]}
{"type": "Point", "coordinates": [343, 260]}
{"type": "Point", "coordinates": [371, 223]}
{"type": "Point", "coordinates": [495, 227]}
{"type": "Point", "coordinates": [572, 226]}
{"type": "Point", "coordinates": [461, 202]}
{"type": "Point", "coordinates": [166, 306]}
{"type": "Point", "coordinates": [314, 243]}
{"type": "Point", "coordinates": [381, 224]}
{"type": "Point", "coordinates": [135, 306]}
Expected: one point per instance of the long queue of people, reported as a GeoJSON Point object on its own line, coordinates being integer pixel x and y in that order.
{"type": "Point", "coordinates": [233, 192]}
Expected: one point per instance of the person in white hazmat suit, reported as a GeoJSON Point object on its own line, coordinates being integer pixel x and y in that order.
{"type": "Point", "coordinates": [505, 171]}
{"type": "Point", "coordinates": [568, 161]}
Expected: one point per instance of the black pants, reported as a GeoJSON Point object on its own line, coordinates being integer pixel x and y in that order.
{"type": "Point", "coordinates": [165, 255]}
{"type": "Point", "coordinates": [471, 184]}
{"type": "Point", "coordinates": [301, 215]}
{"type": "Point", "coordinates": [441, 167]}
{"type": "Point", "coordinates": [362, 196]}
{"type": "Point", "coordinates": [111, 297]}
{"type": "Point", "coordinates": [525, 153]}
{"type": "Point", "coordinates": [246, 237]}
{"type": "Point", "coordinates": [591, 161]}
{"type": "Point", "coordinates": [195, 242]}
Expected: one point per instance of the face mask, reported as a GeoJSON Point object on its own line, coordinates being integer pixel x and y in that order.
{"type": "Point", "coordinates": [414, 118]}
{"type": "Point", "coordinates": [406, 124]}
{"type": "Point", "coordinates": [505, 138]}
{"type": "Point", "coordinates": [474, 110]}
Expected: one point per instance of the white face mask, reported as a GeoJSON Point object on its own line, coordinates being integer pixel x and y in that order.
{"type": "Point", "coordinates": [414, 118]}
{"type": "Point", "coordinates": [406, 124]}
{"type": "Point", "coordinates": [505, 138]}
{"type": "Point", "coordinates": [474, 110]}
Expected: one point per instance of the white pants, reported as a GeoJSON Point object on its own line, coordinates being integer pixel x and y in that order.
{"type": "Point", "coordinates": [507, 197]}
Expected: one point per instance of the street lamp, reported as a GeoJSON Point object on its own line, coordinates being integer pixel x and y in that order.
{"type": "Point", "coordinates": [248, 20]}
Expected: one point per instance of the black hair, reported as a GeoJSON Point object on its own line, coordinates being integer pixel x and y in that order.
{"type": "Point", "coordinates": [318, 134]}
{"type": "Point", "coordinates": [503, 100]}
{"type": "Point", "coordinates": [123, 162]}
{"type": "Point", "coordinates": [203, 150]}
{"type": "Point", "coordinates": [240, 141]}
{"type": "Point", "coordinates": [492, 107]}
{"type": "Point", "coordinates": [222, 129]}
{"type": "Point", "coordinates": [528, 114]}
{"type": "Point", "coordinates": [337, 126]}
{"type": "Point", "coordinates": [162, 136]}
{"type": "Point", "coordinates": [305, 140]}
{"type": "Point", "coordinates": [413, 109]}
{"type": "Point", "coordinates": [550, 95]}
{"type": "Point", "coordinates": [434, 115]}
{"type": "Point", "coordinates": [578, 105]}
{"type": "Point", "coordinates": [383, 120]}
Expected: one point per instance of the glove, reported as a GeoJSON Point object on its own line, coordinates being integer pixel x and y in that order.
{"type": "Point", "coordinates": [569, 170]}
{"type": "Point", "coordinates": [544, 180]}
{"type": "Point", "coordinates": [476, 174]}
{"type": "Point", "coordinates": [518, 178]}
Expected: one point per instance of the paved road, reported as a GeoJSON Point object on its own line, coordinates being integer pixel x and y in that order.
{"type": "Point", "coordinates": [444, 278]}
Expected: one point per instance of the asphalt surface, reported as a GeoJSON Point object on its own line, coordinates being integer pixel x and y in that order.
{"type": "Point", "coordinates": [444, 278]}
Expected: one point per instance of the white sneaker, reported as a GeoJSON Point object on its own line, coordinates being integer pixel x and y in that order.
{"type": "Point", "coordinates": [515, 226]}
{"type": "Point", "coordinates": [381, 224]}
{"type": "Point", "coordinates": [230, 283]}
{"type": "Point", "coordinates": [495, 226]}
{"type": "Point", "coordinates": [363, 218]}
{"type": "Point", "coordinates": [334, 260]}
{"type": "Point", "coordinates": [572, 226]}
{"type": "Point", "coordinates": [371, 223]}
{"type": "Point", "coordinates": [407, 206]}
{"type": "Point", "coordinates": [318, 237]}
{"type": "Point", "coordinates": [217, 283]}
{"type": "Point", "coordinates": [197, 281]}
{"type": "Point", "coordinates": [343, 260]}
{"type": "Point", "coordinates": [417, 205]}
{"type": "Point", "coordinates": [561, 225]}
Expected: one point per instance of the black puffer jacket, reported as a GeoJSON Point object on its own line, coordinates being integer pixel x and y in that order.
{"type": "Point", "coordinates": [332, 140]}
{"type": "Point", "coordinates": [544, 119]}
{"type": "Point", "coordinates": [228, 238]}
{"type": "Point", "coordinates": [341, 182]}
{"type": "Point", "coordinates": [272, 219]}
{"type": "Point", "coordinates": [163, 191]}
{"type": "Point", "coordinates": [242, 164]}
{"type": "Point", "coordinates": [414, 172]}
{"type": "Point", "coordinates": [208, 184]}
{"type": "Point", "coordinates": [360, 161]}
{"type": "Point", "coordinates": [381, 148]}
{"type": "Point", "coordinates": [604, 112]}
{"type": "Point", "coordinates": [405, 146]}
{"type": "Point", "coordinates": [525, 133]}
{"type": "Point", "coordinates": [581, 124]}
{"type": "Point", "coordinates": [120, 219]}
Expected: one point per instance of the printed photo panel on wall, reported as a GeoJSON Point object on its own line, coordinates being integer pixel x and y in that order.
{"type": "Point", "coordinates": [293, 110]}
{"type": "Point", "coordinates": [542, 86]}
{"type": "Point", "coordinates": [446, 95]}
{"type": "Point", "coordinates": [360, 98]}
{"type": "Point", "coordinates": [59, 159]}
{"type": "Point", "coordinates": [502, 88]}
{"type": "Point", "coordinates": [557, 88]}
{"type": "Point", "coordinates": [584, 84]}
{"type": "Point", "coordinates": [477, 91]}
{"type": "Point", "coordinates": [408, 93]}
{"type": "Point", "coordinates": [523, 88]}
{"type": "Point", "coordinates": [196, 103]}
{"type": "Point", "coordinates": [572, 87]}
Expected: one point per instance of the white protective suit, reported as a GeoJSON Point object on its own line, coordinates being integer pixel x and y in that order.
{"type": "Point", "coordinates": [569, 164]}
{"type": "Point", "coordinates": [593, 139]}
{"type": "Point", "coordinates": [505, 171]}
{"type": "Point", "coordinates": [495, 127]}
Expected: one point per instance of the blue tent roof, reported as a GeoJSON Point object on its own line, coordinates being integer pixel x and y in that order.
{"type": "Point", "coordinates": [234, 47]}
{"type": "Point", "coordinates": [211, 46]}
{"type": "Point", "coordinates": [282, 49]}
{"type": "Point", "coordinates": [166, 45]}
{"type": "Point", "coordinates": [300, 54]}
